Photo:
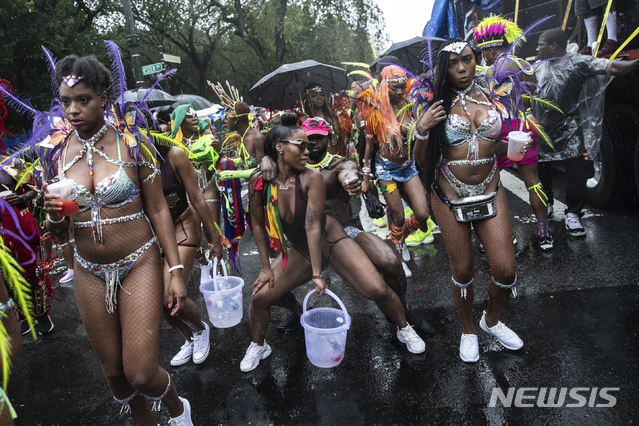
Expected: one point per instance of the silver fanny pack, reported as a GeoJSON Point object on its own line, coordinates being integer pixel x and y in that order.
{"type": "Point", "coordinates": [474, 208]}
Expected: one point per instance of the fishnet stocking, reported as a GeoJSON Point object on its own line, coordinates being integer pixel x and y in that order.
{"type": "Point", "coordinates": [126, 341]}
{"type": "Point", "coordinates": [495, 233]}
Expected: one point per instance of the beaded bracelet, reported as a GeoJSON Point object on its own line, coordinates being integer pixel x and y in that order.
{"type": "Point", "coordinates": [317, 277]}
{"type": "Point", "coordinates": [173, 268]}
{"type": "Point", "coordinates": [6, 307]}
{"type": "Point", "coordinates": [420, 136]}
{"type": "Point", "coordinates": [55, 221]}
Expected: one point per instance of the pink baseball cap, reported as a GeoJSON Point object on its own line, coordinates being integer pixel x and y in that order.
{"type": "Point", "coordinates": [316, 126]}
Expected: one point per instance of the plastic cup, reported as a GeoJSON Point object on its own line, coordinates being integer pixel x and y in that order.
{"type": "Point", "coordinates": [65, 189]}
{"type": "Point", "coordinates": [516, 142]}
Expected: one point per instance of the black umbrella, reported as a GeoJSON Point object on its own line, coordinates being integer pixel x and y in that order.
{"type": "Point", "coordinates": [198, 101]}
{"type": "Point", "coordinates": [409, 52]}
{"type": "Point", "coordinates": [281, 88]}
{"type": "Point", "coordinates": [155, 99]}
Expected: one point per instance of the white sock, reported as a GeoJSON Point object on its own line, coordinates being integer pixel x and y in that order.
{"type": "Point", "coordinates": [611, 25]}
{"type": "Point", "coordinates": [592, 27]}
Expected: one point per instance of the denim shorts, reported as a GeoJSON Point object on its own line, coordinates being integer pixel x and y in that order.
{"type": "Point", "coordinates": [392, 172]}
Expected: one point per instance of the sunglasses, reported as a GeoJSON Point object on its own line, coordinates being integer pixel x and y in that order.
{"type": "Point", "coordinates": [302, 145]}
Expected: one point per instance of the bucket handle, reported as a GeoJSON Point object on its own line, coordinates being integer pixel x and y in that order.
{"type": "Point", "coordinates": [214, 270]}
{"type": "Point", "coordinates": [334, 296]}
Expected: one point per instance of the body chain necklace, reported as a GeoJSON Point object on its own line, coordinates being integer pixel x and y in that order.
{"type": "Point", "coordinates": [462, 97]}
{"type": "Point", "coordinates": [88, 145]}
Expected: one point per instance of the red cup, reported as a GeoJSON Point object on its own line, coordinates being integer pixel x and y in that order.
{"type": "Point", "coordinates": [65, 189]}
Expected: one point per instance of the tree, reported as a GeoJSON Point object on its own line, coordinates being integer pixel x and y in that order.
{"type": "Point", "coordinates": [63, 26]}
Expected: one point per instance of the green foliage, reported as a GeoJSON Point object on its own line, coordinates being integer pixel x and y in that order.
{"type": "Point", "coordinates": [238, 41]}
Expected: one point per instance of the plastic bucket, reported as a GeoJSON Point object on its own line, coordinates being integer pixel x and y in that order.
{"type": "Point", "coordinates": [325, 332]}
{"type": "Point", "coordinates": [223, 298]}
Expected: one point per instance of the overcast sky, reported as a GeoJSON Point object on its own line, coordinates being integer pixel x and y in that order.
{"type": "Point", "coordinates": [405, 18]}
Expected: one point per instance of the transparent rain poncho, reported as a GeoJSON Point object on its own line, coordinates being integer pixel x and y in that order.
{"type": "Point", "coordinates": [577, 84]}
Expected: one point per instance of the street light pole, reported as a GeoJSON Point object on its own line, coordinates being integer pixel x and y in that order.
{"type": "Point", "coordinates": [133, 41]}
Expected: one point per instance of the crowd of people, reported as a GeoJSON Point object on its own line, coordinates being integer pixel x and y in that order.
{"type": "Point", "coordinates": [148, 186]}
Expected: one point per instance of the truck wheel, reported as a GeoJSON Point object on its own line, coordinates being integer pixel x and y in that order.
{"type": "Point", "coordinates": [637, 165]}
{"type": "Point", "coordinates": [613, 164]}
{"type": "Point", "coordinates": [602, 187]}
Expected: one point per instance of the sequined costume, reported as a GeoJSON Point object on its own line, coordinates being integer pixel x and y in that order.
{"type": "Point", "coordinates": [113, 191]}
{"type": "Point", "coordinates": [458, 132]}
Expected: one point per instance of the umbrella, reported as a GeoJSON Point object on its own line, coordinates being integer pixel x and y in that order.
{"type": "Point", "coordinates": [409, 52]}
{"type": "Point", "coordinates": [198, 101]}
{"type": "Point", "coordinates": [155, 99]}
{"type": "Point", "coordinates": [281, 88]}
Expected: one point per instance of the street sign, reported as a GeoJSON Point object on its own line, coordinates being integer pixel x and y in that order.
{"type": "Point", "coordinates": [152, 69]}
{"type": "Point", "coordinates": [173, 59]}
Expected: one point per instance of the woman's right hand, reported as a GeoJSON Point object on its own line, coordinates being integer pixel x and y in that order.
{"type": "Point", "coordinates": [433, 115]}
{"type": "Point", "coordinates": [320, 285]}
{"type": "Point", "coordinates": [52, 204]}
{"type": "Point", "coordinates": [265, 277]}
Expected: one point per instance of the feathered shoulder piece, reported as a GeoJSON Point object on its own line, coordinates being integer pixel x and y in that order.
{"type": "Point", "coordinates": [16, 284]}
{"type": "Point", "coordinates": [369, 102]}
{"type": "Point", "coordinates": [341, 105]}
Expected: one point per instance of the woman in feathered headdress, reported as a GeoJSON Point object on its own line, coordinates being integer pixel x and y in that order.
{"type": "Point", "coordinates": [497, 38]}
{"type": "Point", "coordinates": [456, 141]}
{"type": "Point", "coordinates": [118, 262]}
{"type": "Point", "coordinates": [188, 209]}
{"type": "Point", "coordinates": [389, 118]}
{"type": "Point", "coordinates": [317, 103]}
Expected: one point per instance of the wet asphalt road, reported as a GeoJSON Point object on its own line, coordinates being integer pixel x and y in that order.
{"type": "Point", "coordinates": [576, 312]}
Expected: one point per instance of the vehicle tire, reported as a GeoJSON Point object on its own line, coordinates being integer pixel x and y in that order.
{"type": "Point", "coordinates": [613, 165]}
{"type": "Point", "coordinates": [637, 164]}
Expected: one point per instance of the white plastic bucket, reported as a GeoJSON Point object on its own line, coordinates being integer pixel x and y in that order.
{"type": "Point", "coordinates": [325, 332]}
{"type": "Point", "coordinates": [223, 297]}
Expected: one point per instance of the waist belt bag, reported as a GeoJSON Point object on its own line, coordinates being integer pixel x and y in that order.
{"type": "Point", "coordinates": [474, 208]}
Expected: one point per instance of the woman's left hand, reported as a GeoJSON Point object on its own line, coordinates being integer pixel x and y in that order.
{"type": "Point", "coordinates": [320, 285]}
{"type": "Point", "coordinates": [176, 293]}
{"type": "Point", "coordinates": [528, 145]}
{"type": "Point", "coordinates": [216, 250]}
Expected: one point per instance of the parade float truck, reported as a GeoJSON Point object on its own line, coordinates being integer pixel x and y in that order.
{"type": "Point", "coordinates": [616, 180]}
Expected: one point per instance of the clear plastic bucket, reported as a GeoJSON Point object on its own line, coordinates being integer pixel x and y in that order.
{"type": "Point", "coordinates": [325, 332]}
{"type": "Point", "coordinates": [223, 298]}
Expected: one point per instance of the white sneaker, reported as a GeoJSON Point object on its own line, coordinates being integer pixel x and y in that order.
{"type": "Point", "coordinates": [405, 253]}
{"type": "Point", "coordinates": [469, 348]}
{"type": "Point", "coordinates": [201, 345]}
{"type": "Point", "coordinates": [254, 354]}
{"type": "Point", "coordinates": [407, 271]}
{"type": "Point", "coordinates": [505, 335]}
{"type": "Point", "coordinates": [413, 342]}
{"type": "Point", "coordinates": [184, 356]}
{"type": "Point", "coordinates": [573, 225]}
{"type": "Point", "coordinates": [68, 276]}
{"type": "Point", "coordinates": [185, 418]}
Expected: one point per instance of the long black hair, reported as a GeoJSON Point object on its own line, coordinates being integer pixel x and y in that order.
{"type": "Point", "coordinates": [280, 132]}
{"type": "Point", "coordinates": [443, 91]}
